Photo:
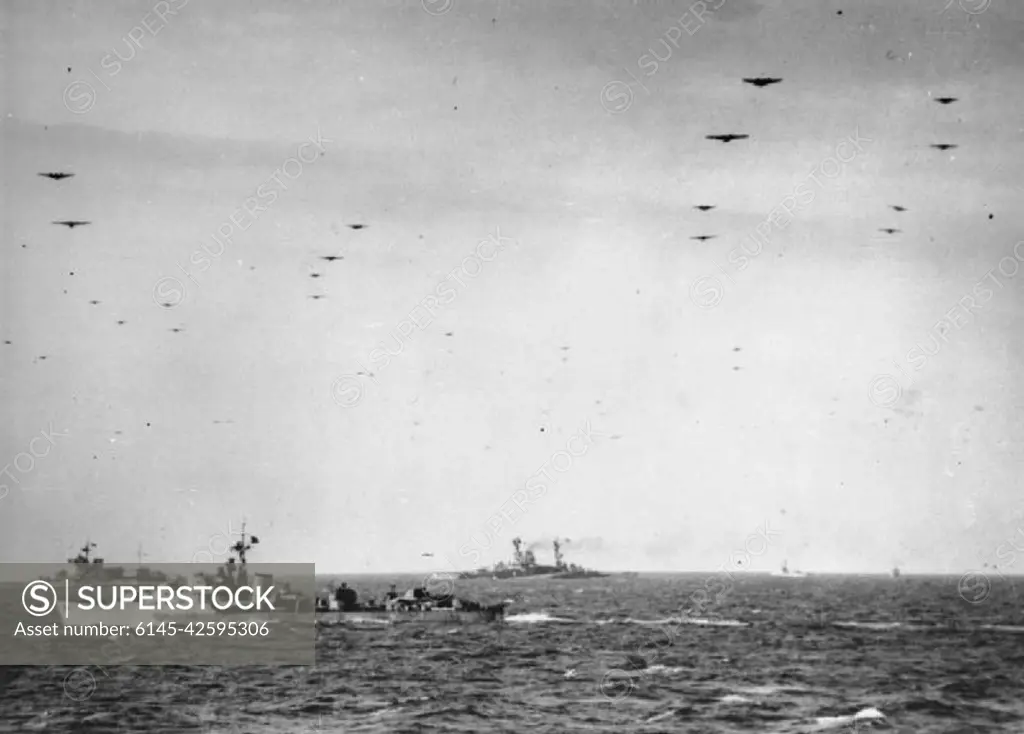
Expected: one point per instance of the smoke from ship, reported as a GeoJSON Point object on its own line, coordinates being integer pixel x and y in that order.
{"type": "Point", "coordinates": [581, 545]}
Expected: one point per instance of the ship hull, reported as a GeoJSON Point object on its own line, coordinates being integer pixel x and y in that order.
{"type": "Point", "coordinates": [558, 576]}
{"type": "Point", "coordinates": [134, 616]}
{"type": "Point", "coordinates": [426, 617]}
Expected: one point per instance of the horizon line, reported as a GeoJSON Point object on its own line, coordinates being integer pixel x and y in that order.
{"type": "Point", "coordinates": [985, 572]}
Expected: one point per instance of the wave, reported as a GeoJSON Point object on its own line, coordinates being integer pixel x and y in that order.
{"type": "Point", "coordinates": [733, 698]}
{"type": "Point", "coordinates": [354, 619]}
{"type": "Point", "coordinates": [663, 669]}
{"type": "Point", "coordinates": [864, 626]}
{"type": "Point", "coordinates": [1011, 628]}
{"type": "Point", "coordinates": [715, 622]}
{"type": "Point", "coordinates": [701, 621]}
{"type": "Point", "coordinates": [535, 618]}
{"type": "Point", "coordinates": [653, 670]}
{"type": "Point", "coordinates": [878, 626]}
{"type": "Point", "coordinates": [928, 627]}
{"type": "Point", "coordinates": [767, 690]}
{"type": "Point", "coordinates": [660, 717]}
{"type": "Point", "coordinates": [831, 722]}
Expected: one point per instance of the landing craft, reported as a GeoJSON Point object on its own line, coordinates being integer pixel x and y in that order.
{"type": "Point", "coordinates": [762, 81]}
{"type": "Point", "coordinates": [727, 138]}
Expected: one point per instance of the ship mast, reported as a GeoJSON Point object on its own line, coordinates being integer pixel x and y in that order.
{"type": "Point", "coordinates": [83, 554]}
{"type": "Point", "coordinates": [243, 545]}
{"type": "Point", "coordinates": [559, 562]}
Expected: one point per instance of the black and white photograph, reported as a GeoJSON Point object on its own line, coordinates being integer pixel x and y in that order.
{"type": "Point", "coordinates": [457, 366]}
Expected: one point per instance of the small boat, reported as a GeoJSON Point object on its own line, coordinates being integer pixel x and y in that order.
{"type": "Point", "coordinates": [896, 572]}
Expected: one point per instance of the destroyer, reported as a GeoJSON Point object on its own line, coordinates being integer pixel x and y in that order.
{"type": "Point", "coordinates": [341, 605]}
{"type": "Point", "coordinates": [91, 583]}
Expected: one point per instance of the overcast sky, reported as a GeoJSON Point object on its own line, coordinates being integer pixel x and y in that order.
{"type": "Point", "coordinates": [555, 127]}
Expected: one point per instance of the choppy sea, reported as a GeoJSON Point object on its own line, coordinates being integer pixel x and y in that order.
{"type": "Point", "coordinates": [617, 654]}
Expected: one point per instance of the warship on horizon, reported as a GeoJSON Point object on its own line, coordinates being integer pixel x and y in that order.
{"type": "Point", "coordinates": [524, 565]}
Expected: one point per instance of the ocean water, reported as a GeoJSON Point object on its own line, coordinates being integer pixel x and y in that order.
{"type": "Point", "coordinates": [826, 653]}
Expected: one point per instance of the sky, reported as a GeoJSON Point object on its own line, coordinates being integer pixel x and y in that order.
{"type": "Point", "coordinates": [830, 390]}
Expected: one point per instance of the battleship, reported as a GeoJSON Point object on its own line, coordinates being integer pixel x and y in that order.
{"type": "Point", "coordinates": [524, 565]}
